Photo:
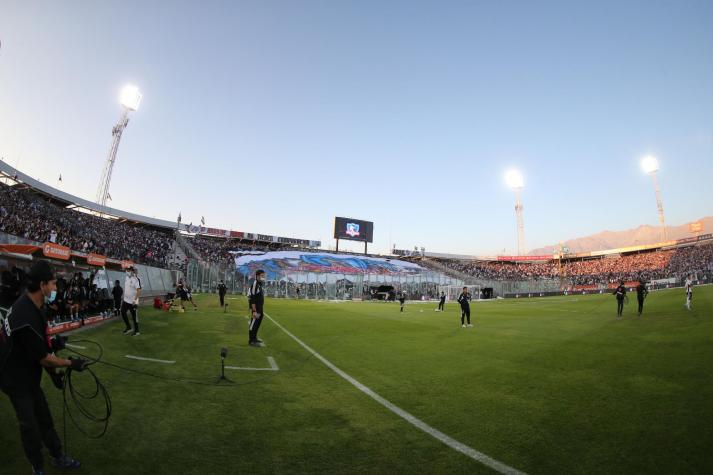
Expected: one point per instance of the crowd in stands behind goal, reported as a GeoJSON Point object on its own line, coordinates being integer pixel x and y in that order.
{"type": "Point", "coordinates": [645, 266]}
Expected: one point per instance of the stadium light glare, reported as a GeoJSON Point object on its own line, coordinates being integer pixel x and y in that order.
{"type": "Point", "coordinates": [130, 97]}
{"type": "Point", "coordinates": [650, 164]}
{"type": "Point", "coordinates": [514, 179]}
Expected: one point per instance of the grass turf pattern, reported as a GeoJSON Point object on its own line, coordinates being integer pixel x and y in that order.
{"type": "Point", "coordinates": [546, 385]}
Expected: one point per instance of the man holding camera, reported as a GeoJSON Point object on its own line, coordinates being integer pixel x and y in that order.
{"type": "Point", "coordinates": [25, 349]}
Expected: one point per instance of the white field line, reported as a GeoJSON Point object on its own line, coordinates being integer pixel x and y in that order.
{"type": "Point", "coordinates": [270, 359]}
{"type": "Point", "coordinates": [141, 358]}
{"type": "Point", "coordinates": [411, 419]}
{"type": "Point", "coordinates": [75, 346]}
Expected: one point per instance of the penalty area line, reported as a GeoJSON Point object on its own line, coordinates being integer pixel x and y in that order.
{"type": "Point", "coordinates": [408, 417]}
{"type": "Point", "coordinates": [141, 358]}
{"type": "Point", "coordinates": [270, 359]}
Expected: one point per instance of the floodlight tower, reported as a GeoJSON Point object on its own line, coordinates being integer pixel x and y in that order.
{"type": "Point", "coordinates": [651, 166]}
{"type": "Point", "coordinates": [515, 181]}
{"type": "Point", "coordinates": [130, 98]}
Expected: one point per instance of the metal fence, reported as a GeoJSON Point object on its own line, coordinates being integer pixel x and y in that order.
{"type": "Point", "coordinates": [204, 277]}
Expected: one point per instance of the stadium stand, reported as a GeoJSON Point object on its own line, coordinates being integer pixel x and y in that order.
{"type": "Point", "coordinates": [29, 215]}
{"type": "Point", "coordinates": [651, 265]}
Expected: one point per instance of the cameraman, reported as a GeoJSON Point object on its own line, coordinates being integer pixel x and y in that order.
{"type": "Point", "coordinates": [21, 373]}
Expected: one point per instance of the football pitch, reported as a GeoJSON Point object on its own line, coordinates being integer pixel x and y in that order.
{"type": "Point", "coordinates": [546, 385]}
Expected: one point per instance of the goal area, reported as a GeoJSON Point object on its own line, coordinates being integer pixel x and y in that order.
{"type": "Point", "coordinates": [453, 291]}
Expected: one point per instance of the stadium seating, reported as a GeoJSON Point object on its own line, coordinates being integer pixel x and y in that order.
{"type": "Point", "coordinates": [659, 264]}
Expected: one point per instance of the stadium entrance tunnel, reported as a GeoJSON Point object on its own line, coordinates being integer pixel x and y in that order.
{"type": "Point", "coordinates": [382, 292]}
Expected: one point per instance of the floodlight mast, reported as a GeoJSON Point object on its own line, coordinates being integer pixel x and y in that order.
{"type": "Point", "coordinates": [651, 166]}
{"type": "Point", "coordinates": [520, 223]}
{"type": "Point", "coordinates": [130, 99]}
{"type": "Point", "coordinates": [515, 181]}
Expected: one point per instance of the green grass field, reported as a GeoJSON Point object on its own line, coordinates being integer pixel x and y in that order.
{"type": "Point", "coordinates": [549, 385]}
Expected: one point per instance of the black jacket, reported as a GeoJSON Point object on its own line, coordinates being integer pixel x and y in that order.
{"type": "Point", "coordinates": [28, 344]}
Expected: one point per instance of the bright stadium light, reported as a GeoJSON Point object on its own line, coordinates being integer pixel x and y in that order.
{"type": "Point", "coordinates": [651, 167]}
{"type": "Point", "coordinates": [516, 182]}
{"type": "Point", "coordinates": [514, 179]}
{"type": "Point", "coordinates": [130, 98]}
{"type": "Point", "coordinates": [650, 164]}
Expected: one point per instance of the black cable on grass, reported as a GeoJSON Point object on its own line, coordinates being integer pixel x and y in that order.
{"type": "Point", "coordinates": [78, 399]}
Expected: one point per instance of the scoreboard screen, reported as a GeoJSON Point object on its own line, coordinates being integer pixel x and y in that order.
{"type": "Point", "coordinates": [353, 229]}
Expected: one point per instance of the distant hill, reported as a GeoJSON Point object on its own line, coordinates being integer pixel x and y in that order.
{"type": "Point", "coordinates": [644, 234]}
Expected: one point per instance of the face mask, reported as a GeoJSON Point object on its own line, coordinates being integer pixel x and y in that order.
{"type": "Point", "coordinates": [261, 279]}
{"type": "Point", "coordinates": [51, 297]}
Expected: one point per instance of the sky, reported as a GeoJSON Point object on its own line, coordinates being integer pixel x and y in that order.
{"type": "Point", "coordinates": [275, 116]}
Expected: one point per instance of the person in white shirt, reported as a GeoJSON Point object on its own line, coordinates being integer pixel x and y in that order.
{"type": "Point", "coordinates": [132, 292]}
{"type": "Point", "coordinates": [689, 292]}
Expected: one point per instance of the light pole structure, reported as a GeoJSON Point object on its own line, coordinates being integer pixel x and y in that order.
{"type": "Point", "coordinates": [515, 181]}
{"type": "Point", "coordinates": [651, 166]}
{"type": "Point", "coordinates": [130, 98]}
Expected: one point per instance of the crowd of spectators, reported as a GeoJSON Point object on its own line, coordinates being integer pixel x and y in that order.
{"type": "Point", "coordinates": [604, 270]}
{"type": "Point", "coordinates": [218, 250]}
{"type": "Point", "coordinates": [27, 215]}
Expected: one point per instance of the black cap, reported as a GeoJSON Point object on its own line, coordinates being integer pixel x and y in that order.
{"type": "Point", "coordinates": [41, 271]}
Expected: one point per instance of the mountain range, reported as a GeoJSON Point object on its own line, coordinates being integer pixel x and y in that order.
{"type": "Point", "coordinates": [644, 234]}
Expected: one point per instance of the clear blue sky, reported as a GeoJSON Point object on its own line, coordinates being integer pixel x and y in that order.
{"type": "Point", "coordinates": [274, 117]}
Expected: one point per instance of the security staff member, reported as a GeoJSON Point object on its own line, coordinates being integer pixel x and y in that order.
{"type": "Point", "coordinates": [620, 293]}
{"type": "Point", "coordinates": [132, 292]}
{"type": "Point", "coordinates": [24, 337]}
{"type": "Point", "coordinates": [256, 298]}
{"type": "Point", "coordinates": [641, 293]}
{"type": "Point", "coordinates": [464, 301]}
{"type": "Point", "coordinates": [222, 290]}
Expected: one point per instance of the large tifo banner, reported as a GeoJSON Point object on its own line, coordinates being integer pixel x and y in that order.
{"type": "Point", "coordinates": [278, 263]}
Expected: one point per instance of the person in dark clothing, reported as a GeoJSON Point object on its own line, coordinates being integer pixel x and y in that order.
{"type": "Point", "coordinates": [442, 303]}
{"type": "Point", "coordinates": [222, 290]}
{"type": "Point", "coordinates": [95, 303]}
{"type": "Point", "coordinates": [26, 350]}
{"type": "Point", "coordinates": [402, 300]}
{"type": "Point", "coordinates": [60, 300]}
{"type": "Point", "coordinates": [620, 293]}
{"type": "Point", "coordinates": [117, 292]}
{"type": "Point", "coordinates": [464, 301]}
{"type": "Point", "coordinates": [72, 299]}
{"type": "Point", "coordinates": [641, 293]}
{"type": "Point", "coordinates": [182, 294]}
{"type": "Point", "coordinates": [256, 298]}
{"type": "Point", "coordinates": [189, 295]}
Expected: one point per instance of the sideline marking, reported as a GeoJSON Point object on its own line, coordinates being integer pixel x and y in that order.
{"type": "Point", "coordinates": [408, 417]}
{"type": "Point", "coordinates": [75, 346]}
{"type": "Point", "coordinates": [270, 359]}
{"type": "Point", "coordinates": [141, 358]}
